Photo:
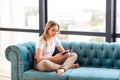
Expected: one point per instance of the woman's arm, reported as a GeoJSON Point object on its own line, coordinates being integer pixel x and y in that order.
{"type": "Point", "coordinates": [60, 49]}
{"type": "Point", "coordinates": [57, 57]}
{"type": "Point", "coordinates": [38, 55]}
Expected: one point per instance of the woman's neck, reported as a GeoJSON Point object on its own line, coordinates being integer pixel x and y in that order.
{"type": "Point", "coordinates": [49, 37]}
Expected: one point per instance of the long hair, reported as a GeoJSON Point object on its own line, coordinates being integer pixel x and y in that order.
{"type": "Point", "coordinates": [44, 36]}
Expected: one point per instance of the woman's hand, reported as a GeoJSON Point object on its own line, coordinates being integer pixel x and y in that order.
{"type": "Point", "coordinates": [60, 56]}
{"type": "Point", "coordinates": [66, 54]}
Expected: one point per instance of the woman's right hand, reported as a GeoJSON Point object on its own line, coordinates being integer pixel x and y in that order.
{"type": "Point", "coordinates": [59, 57]}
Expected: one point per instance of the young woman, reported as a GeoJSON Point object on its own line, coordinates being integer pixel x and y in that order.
{"type": "Point", "coordinates": [45, 46]}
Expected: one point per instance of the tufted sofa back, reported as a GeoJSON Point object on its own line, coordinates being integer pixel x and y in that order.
{"type": "Point", "coordinates": [91, 54]}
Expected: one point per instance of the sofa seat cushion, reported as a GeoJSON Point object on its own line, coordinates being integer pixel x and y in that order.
{"type": "Point", "coordinates": [38, 75]}
{"type": "Point", "coordinates": [86, 73]}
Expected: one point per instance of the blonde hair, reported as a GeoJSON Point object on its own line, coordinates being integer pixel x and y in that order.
{"type": "Point", "coordinates": [44, 36]}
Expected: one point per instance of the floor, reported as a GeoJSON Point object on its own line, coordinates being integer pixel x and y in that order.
{"type": "Point", "coordinates": [4, 78]}
{"type": "Point", "coordinates": [4, 75]}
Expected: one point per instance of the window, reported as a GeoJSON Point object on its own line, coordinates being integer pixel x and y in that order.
{"type": "Point", "coordinates": [78, 38]}
{"type": "Point", "coordinates": [12, 38]}
{"type": "Point", "coordinates": [78, 15]}
{"type": "Point", "coordinates": [23, 14]}
{"type": "Point", "coordinates": [118, 17]}
{"type": "Point", "coordinates": [19, 22]}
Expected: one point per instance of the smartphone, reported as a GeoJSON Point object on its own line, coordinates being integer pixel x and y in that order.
{"type": "Point", "coordinates": [64, 52]}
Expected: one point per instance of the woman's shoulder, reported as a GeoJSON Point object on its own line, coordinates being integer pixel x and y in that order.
{"type": "Point", "coordinates": [40, 39]}
{"type": "Point", "coordinates": [56, 39]}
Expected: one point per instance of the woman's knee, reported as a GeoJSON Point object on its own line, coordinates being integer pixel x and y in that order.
{"type": "Point", "coordinates": [45, 62]}
{"type": "Point", "coordinates": [43, 65]}
{"type": "Point", "coordinates": [74, 54]}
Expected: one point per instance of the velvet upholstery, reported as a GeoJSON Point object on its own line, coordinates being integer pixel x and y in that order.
{"type": "Point", "coordinates": [98, 61]}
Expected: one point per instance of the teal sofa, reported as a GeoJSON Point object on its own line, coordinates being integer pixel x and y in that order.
{"type": "Point", "coordinates": [98, 61]}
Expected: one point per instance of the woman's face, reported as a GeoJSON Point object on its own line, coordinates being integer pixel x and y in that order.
{"type": "Point", "coordinates": [52, 32]}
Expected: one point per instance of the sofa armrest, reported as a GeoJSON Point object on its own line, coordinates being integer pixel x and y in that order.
{"type": "Point", "coordinates": [21, 57]}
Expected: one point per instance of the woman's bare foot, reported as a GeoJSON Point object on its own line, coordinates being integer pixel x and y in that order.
{"type": "Point", "coordinates": [75, 66]}
{"type": "Point", "coordinates": [60, 71]}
